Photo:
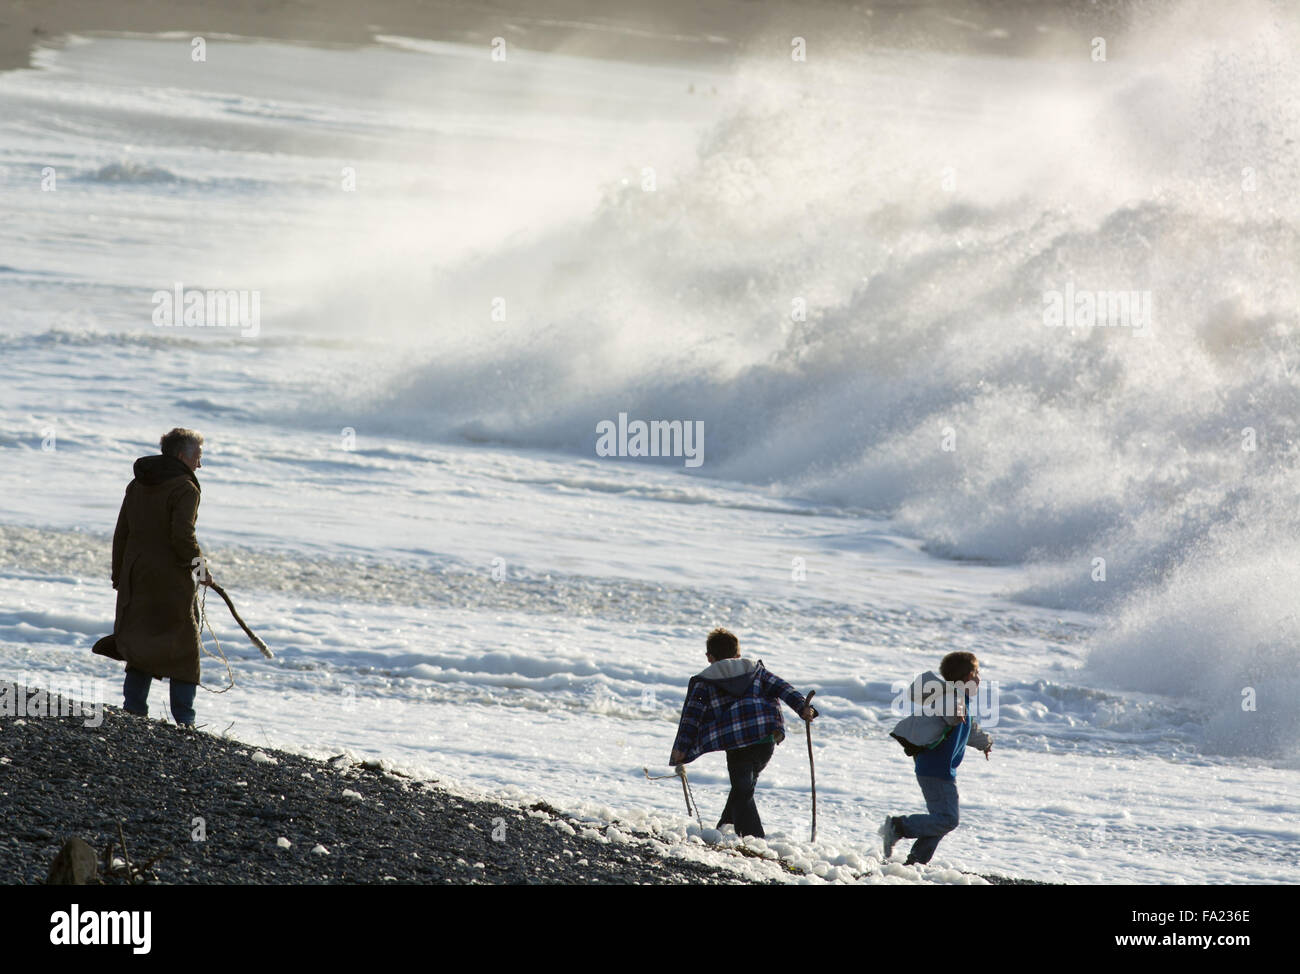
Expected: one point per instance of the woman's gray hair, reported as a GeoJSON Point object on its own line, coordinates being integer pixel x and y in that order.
{"type": "Point", "coordinates": [180, 441]}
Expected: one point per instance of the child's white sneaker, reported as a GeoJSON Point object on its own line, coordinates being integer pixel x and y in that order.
{"type": "Point", "coordinates": [888, 835]}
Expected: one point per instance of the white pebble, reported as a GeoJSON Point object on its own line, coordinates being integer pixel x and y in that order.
{"type": "Point", "coordinates": [283, 843]}
{"type": "Point", "coordinates": [320, 850]}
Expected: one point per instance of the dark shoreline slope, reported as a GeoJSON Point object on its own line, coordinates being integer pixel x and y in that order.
{"type": "Point", "coordinates": [212, 811]}
{"type": "Point", "coordinates": [60, 778]}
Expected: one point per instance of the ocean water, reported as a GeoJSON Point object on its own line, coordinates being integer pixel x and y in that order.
{"type": "Point", "coordinates": [844, 269]}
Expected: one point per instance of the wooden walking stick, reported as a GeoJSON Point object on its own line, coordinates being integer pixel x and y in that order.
{"type": "Point", "coordinates": [242, 625]}
{"type": "Point", "coordinates": [680, 772]}
{"type": "Point", "coordinates": [807, 726]}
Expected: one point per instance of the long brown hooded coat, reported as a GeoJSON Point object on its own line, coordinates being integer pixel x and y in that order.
{"type": "Point", "coordinates": [154, 548]}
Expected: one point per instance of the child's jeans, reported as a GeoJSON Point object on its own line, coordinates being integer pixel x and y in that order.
{"type": "Point", "coordinates": [941, 818]}
{"type": "Point", "coordinates": [744, 765]}
{"type": "Point", "coordinates": [135, 690]}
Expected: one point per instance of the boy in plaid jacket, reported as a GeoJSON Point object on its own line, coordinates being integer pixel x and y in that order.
{"type": "Point", "coordinates": [731, 706]}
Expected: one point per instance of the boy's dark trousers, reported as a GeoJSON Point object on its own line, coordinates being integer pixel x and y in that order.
{"type": "Point", "coordinates": [744, 765]}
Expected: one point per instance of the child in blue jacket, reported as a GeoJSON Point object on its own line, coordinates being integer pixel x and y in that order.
{"type": "Point", "coordinates": [937, 742]}
{"type": "Point", "coordinates": [731, 706]}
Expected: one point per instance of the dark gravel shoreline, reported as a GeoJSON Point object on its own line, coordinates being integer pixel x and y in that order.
{"type": "Point", "coordinates": [212, 811]}
{"type": "Point", "coordinates": [60, 778]}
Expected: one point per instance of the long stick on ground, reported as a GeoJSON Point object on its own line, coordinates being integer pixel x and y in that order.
{"type": "Point", "coordinates": [242, 625]}
{"type": "Point", "coordinates": [807, 726]}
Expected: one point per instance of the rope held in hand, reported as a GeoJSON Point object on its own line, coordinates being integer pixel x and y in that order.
{"type": "Point", "coordinates": [204, 621]}
{"type": "Point", "coordinates": [220, 654]}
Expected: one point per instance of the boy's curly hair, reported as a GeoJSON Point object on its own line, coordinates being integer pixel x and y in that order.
{"type": "Point", "coordinates": [722, 644]}
{"type": "Point", "coordinates": [956, 667]}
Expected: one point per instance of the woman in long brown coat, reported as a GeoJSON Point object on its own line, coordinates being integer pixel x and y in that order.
{"type": "Point", "coordinates": [156, 560]}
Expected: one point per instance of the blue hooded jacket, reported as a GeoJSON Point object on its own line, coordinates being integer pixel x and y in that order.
{"type": "Point", "coordinates": [940, 739]}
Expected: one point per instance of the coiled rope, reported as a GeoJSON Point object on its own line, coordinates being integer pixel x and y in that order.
{"type": "Point", "coordinates": [201, 602]}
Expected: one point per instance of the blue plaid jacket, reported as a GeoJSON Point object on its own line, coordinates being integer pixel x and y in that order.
{"type": "Point", "coordinates": [732, 704]}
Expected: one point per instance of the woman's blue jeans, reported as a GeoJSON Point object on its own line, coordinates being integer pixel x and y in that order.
{"type": "Point", "coordinates": [135, 690]}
